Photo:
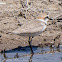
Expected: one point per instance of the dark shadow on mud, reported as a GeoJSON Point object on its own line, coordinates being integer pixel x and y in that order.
{"type": "Point", "coordinates": [21, 49]}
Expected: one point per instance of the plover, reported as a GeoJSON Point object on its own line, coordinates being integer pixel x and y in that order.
{"type": "Point", "coordinates": [33, 28]}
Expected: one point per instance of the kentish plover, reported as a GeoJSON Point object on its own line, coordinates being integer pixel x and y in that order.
{"type": "Point", "coordinates": [33, 28]}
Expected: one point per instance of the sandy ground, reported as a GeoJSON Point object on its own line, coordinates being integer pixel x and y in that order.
{"type": "Point", "coordinates": [12, 15]}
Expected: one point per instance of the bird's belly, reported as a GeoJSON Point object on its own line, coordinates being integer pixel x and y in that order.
{"type": "Point", "coordinates": [30, 34]}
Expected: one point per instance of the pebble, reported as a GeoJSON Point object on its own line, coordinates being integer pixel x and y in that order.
{"type": "Point", "coordinates": [0, 36]}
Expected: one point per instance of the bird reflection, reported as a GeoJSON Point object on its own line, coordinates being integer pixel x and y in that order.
{"type": "Point", "coordinates": [30, 60]}
{"type": "Point", "coordinates": [58, 47]}
{"type": "Point", "coordinates": [16, 56]}
{"type": "Point", "coordinates": [4, 60]}
{"type": "Point", "coordinates": [52, 50]}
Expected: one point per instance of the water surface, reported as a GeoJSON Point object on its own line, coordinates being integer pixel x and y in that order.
{"type": "Point", "coordinates": [41, 55]}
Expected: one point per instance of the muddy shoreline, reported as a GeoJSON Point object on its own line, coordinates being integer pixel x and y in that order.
{"type": "Point", "coordinates": [12, 17]}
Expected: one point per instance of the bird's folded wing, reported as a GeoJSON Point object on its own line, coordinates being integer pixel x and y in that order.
{"type": "Point", "coordinates": [30, 27]}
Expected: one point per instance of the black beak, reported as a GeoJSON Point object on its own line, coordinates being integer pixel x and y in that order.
{"type": "Point", "coordinates": [49, 18]}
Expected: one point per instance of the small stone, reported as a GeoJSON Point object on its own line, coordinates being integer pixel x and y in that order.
{"type": "Point", "coordinates": [29, 3]}
{"type": "Point", "coordinates": [50, 0]}
{"type": "Point", "coordinates": [0, 36]}
{"type": "Point", "coordinates": [16, 56]}
{"type": "Point", "coordinates": [44, 39]}
{"type": "Point", "coordinates": [19, 24]}
{"type": "Point", "coordinates": [57, 37]}
{"type": "Point", "coordinates": [53, 22]}
{"type": "Point", "coordinates": [60, 4]}
{"type": "Point", "coordinates": [60, 26]}
{"type": "Point", "coordinates": [5, 22]}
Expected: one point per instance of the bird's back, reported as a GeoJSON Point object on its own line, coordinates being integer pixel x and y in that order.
{"type": "Point", "coordinates": [30, 28]}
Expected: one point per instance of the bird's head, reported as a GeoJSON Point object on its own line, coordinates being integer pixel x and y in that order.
{"type": "Point", "coordinates": [44, 18]}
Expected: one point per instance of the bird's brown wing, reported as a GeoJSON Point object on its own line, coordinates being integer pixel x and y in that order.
{"type": "Point", "coordinates": [29, 27]}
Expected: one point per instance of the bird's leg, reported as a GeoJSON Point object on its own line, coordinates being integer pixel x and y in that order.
{"type": "Point", "coordinates": [29, 41]}
{"type": "Point", "coordinates": [4, 54]}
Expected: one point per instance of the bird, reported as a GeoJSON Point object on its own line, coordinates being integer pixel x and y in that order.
{"type": "Point", "coordinates": [33, 28]}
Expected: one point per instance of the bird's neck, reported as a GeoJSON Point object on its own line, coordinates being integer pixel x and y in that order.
{"type": "Point", "coordinates": [44, 21]}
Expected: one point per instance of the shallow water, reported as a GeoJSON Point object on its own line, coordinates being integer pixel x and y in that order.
{"type": "Point", "coordinates": [41, 55]}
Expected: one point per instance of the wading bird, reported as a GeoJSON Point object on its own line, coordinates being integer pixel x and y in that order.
{"type": "Point", "coordinates": [33, 28]}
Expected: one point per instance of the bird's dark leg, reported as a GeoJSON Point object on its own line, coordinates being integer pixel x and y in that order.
{"type": "Point", "coordinates": [4, 54]}
{"type": "Point", "coordinates": [29, 41]}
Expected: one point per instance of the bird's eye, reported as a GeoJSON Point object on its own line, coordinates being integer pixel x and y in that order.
{"type": "Point", "coordinates": [47, 17]}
